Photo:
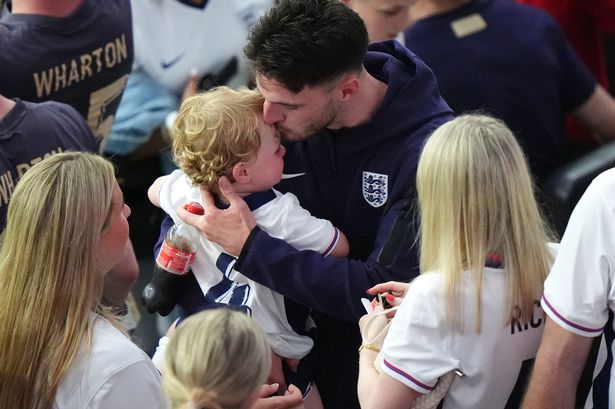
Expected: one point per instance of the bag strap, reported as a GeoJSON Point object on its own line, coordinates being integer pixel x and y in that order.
{"type": "Point", "coordinates": [371, 317]}
{"type": "Point", "coordinates": [430, 400]}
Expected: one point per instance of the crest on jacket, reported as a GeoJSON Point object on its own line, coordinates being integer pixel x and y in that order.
{"type": "Point", "coordinates": [375, 188]}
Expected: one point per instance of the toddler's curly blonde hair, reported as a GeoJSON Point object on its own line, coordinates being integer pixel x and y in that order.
{"type": "Point", "coordinates": [214, 131]}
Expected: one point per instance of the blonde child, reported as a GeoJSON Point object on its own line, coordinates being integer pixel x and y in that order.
{"type": "Point", "coordinates": [222, 133]}
{"type": "Point", "coordinates": [216, 359]}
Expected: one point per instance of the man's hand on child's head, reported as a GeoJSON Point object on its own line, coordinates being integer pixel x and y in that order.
{"type": "Point", "coordinates": [228, 227]}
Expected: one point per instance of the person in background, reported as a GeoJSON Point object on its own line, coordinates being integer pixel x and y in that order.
{"type": "Point", "coordinates": [484, 257]}
{"type": "Point", "coordinates": [587, 25]}
{"type": "Point", "coordinates": [181, 47]}
{"type": "Point", "coordinates": [66, 227]}
{"type": "Point", "coordinates": [384, 19]}
{"type": "Point", "coordinates": [354, 119]}
{"type": "Point", "coordinates": [530, 87]}
{"type": "Point", "coordinates": [79, 52]}
{"type": "Point", "coordinates": [30, 132]}
{"type": "Point", "coordinates": [579, 302]}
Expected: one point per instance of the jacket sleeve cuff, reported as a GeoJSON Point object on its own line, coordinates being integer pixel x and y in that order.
{"type": "Point", "coordinates": [244, 249]}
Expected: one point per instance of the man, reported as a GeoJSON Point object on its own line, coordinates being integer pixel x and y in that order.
{"type": "Point", "coordinates": [531, 86]}
{"type": "Point", "coordinates": [356, 121]}
{"type": "Point", "coordinates": [579, 302]}
{"type": "Point", "coordinates": [74, 51]}
{"type": "Point", "coordinates": [587, 25]}
{"type": "Point", "coordinates": [78, 52]}
{"type": "Point", "coordinates": [30, 132]}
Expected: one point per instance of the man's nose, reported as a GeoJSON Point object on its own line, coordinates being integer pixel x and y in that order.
{"type": "Point", "coordinates": [272, 114]}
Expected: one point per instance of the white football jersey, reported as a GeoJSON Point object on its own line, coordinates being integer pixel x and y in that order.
{"type": "Point", "coordinates": [579, 294]}
{"type": "Point", "coordinates": [281, 216]}
{"type": "Point", "coordinates": [420, 347]}
{"type": "Point", "coordinates": [173, 38]}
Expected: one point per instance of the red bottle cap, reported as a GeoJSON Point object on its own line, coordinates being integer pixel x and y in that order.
{"type": "Point", "coordinates": [195, 208]}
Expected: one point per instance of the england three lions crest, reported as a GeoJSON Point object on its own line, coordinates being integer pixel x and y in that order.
{"type": "Point", "coordinates": [375, 188]}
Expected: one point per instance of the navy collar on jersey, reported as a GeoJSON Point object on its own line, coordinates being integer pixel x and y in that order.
{"type": "Point", "coordinates": [253, 200]}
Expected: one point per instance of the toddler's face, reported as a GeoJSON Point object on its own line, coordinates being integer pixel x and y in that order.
{"type": "Point", "coordinates": [268, 166]}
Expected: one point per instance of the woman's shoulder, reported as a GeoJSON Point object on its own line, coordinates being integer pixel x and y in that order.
{"type": "Point", "coordinates": [429, 282]}
{"type": "Point", "coordinates": [104, 369]}
{"type": "Point", "coordinates": [108, 342]}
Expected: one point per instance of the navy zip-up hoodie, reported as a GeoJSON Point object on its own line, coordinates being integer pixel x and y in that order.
{"type": "Point", "coordinates": [337, 166]}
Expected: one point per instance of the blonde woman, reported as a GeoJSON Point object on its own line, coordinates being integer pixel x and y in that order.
{"type": "Point", "coordinates": [217, 359]}
{"type": "Point", "coordinates": [66, 226]}
{"type": "Point", "coordinates": [484, 257]}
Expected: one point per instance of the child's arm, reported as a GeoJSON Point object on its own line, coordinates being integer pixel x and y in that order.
{"type": "Point", "coordinates": [342, 248]}
{"type": "Point", "coordinates": [154, 189]}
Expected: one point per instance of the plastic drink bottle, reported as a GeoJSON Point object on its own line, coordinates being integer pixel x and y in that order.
{"type": "Point", "coordinates": [172, 264]}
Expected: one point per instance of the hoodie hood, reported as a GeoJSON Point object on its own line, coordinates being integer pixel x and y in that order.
{"type": "Point", "coordinates": [408, 81]}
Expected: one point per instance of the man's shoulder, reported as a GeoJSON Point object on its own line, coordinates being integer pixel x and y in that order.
{"type": "Point", "coordinates": [51, 110]}
{"type": "Point", "coordinates": [55, 117]}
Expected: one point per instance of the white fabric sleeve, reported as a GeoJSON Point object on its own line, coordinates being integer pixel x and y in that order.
{"type": "Point", "coordinates": [161, 350]}
{"type": "Point", "coordinates": [416, 349]}
{"type": "Point", "coordinates": [299, 228]}
{"type": "Point", "coordinates": [175, 192]}
{"type": "Point", "coordinates": [578, 288]}
{"type": "Point", "coordinates": [136, 386]}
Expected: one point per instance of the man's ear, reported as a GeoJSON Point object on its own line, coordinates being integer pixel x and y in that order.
{"type": "Point", "coordinates": [348, 87]}
{"type": "Point", "coordinates": [241, 173]}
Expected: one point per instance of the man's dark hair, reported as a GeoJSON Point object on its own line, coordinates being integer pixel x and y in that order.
{"type": "Point", "coordinates": [307, 42]}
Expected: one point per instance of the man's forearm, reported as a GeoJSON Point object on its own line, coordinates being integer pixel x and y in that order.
{"type": "Point", "coordinates": [330, 285]}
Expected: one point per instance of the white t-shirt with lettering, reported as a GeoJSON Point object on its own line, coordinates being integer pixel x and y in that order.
{"type": "Point", "coordinates": [420, 347]}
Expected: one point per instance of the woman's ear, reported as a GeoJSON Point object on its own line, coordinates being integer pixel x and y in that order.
{"type": "Point", "coordinates": [241, 173]}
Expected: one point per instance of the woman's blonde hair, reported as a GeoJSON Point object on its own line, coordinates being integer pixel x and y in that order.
{"type": "Point", "coordinates": [50, 280]}
{"type": "Point", "coordinates": [476, 199]}
{"type": "Point", "coordinates": [215, 360]}
{"type": "Point", "coordinates": [214, 131]}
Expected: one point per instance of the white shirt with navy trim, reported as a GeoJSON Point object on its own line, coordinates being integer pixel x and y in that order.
{"type": "Point", "coordinates": [281, 216]}
{"type": "Point", "coordinates": [420, 347]}
{"type": "Point", "coordinates": [579, 291]}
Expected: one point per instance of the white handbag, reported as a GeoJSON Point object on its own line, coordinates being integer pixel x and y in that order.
{"type": "Point", "coordinates": [430, 400]}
